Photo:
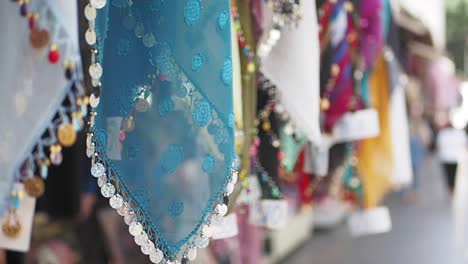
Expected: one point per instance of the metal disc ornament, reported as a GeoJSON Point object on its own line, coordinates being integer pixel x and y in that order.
{"type": "Point", "coordinates": [39, 38]}
{"type": "Point", "coordinates": [11, 227]}
{"type": "Point", "coordinates": [34, 186]}
{"type": "Point", "coordinates": [90, 12]}
{"type": "Point", "coordinates": [94, 101]}
{"type": "Point", "coordinates": [98, 4]}
{"type": "Point", "coordinates": [66, 135]}
{"type": "Point", "coordinates": [128, 124]}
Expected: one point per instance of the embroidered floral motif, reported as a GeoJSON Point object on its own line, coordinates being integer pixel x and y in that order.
{"type": "Point", "coordinates": [161, 57]}
{"type": "Point", "coordinates": [226, 73]}
{"type": "Point", "coordinates": [223, 20]}
{"type": "Point", "coordinates": [197, 62]}
{"type": "Point", "coordinates": [208, 163]}
{"type": "Point", "coordinates": [176, 208]}
{"type": "Point", "coordinates": [149, 40]}
{"type": "Point", "coordinates": [201, 113]}
{"type": "Point", "coordinates": [192, 12]}
{"type": "Point", "coordinates": [231, 120]}
{"type": "Point", "coordinates": [166, 106]}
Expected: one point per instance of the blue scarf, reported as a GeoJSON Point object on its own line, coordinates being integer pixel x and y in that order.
{"type": "Point", "coordinates": [164, 129]}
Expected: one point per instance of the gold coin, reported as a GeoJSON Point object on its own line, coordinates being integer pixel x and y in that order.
{"type": "Point", "coordinates": [324, 104]}
{"type": "Point", "coordinates": [128, 124]}
{"type": "Point", "coordinates": [349, 6]}
{"type": "Point", "coordinates": [11, 230]}
{"type": "Point", "coordinates": [34, 186]}
{"type": "Point", "coordinates": [39, 38]}
{"type": "Point", "coordinates": [335, 70]}
{"type": "Point", "coordinates": [66, 135]}
{"type": "Point", "coordinates": [266, 126]}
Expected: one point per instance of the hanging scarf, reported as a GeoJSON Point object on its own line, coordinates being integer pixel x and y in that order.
{"type": "Point", "coordinates": [371, 35]}
{"type": "Point", "coordinates": [402, 172]}
{"type": "Point", "coordinates": [339, 89]}
{"type": "Point", "coordinates": [371, 41]}
{"type": "Point", "coordinates": [33, 87]}
{"type": "Point", "coordinates": [375, 154]}
{"type": "Point", "coordinates": [164, 131]}
{"type": "Point", "coordinates": [293, 66]}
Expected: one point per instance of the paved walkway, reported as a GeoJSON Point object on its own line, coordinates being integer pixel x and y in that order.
{"type": "Point", "coordinates": [422, 233]}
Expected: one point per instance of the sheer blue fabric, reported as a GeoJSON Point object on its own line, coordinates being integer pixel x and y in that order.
{"type": "Point", "coordinates": [165, 121]}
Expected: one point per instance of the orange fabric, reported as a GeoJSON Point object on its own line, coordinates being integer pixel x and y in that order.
{"type": "Point", "coordinates": [375, 155]}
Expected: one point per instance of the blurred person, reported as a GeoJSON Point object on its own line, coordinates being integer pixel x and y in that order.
{"type": "Point", "coordinates": [451, 144]}
{"type": "Point", "coordinates": [418, 154]}
{"type": "Point", "coordinates": [421, 137]}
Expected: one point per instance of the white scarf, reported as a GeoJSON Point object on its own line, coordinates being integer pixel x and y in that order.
{"type": "Point", "coordinates": [31, 88]}
{"type": "Point", "coordinates": [293, 66]}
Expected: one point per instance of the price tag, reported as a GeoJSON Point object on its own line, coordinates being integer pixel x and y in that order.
{"type": "Point", "coordinates": [369, 222]}
{"type": "Point", "coordinates": [227, 229]}
{"type": "Point", "coordinates": [25, 214]}
{"type": "Point", "coordinates": [272, 214]}
{"type": "Point", "coordinates": [256, 216]}
{"type": "Point", "coordinates": [357, 125]}
{"type": "Point", "coordinates": [316, 157]}
{"type": "Point", "coordinates": [114, 146]}
{"type": "Point", "coordinates": [252, 193]}
{"type": "Point", "coordinates": [276, 213]}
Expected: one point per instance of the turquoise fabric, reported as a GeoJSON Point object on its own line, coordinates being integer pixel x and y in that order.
{"type": "Point", "coordinates": [386, 15]}
{"type": "Point", "coordinates": [365, 91]}
{"type": "Point", "coordinates": [291, 146]}
{"type": "Point", "coordinates": [167, 67]}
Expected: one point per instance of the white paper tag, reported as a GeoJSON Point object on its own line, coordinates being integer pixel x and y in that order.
{"type": "Point", "coordinates": [227, 229]}
{"type": "Point", "coordinates": [256, 216]}
{"type": "Point", "coordinates": [272, 214]}
{"type": "Point", "coordinates": [316, 157]}
{"type": "Point", "coordinates": [370, 221]}
{"type": "Point", "coordinates": [252, 193]}
{"type": "Point", "coordinates": [357, 125]}
{"type": "Point", "coordinates": [114, 146]}
{"type": "Point", "coordinates": [25, 215]}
